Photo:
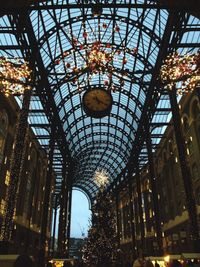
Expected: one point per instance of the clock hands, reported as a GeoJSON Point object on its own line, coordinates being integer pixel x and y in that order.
{"type": "Point", "coordinates": [98, 100]}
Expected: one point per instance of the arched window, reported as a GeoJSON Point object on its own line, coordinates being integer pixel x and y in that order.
{"type": "Point", "coordinates": [3, 132]}
{"type": "Point", "coordinates": [80, 216]}
{"type": "Point", "coordinates": [190, 146]}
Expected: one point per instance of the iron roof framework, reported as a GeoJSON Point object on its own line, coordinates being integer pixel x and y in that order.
{"type": "Point", "coordinates": [44, 31]}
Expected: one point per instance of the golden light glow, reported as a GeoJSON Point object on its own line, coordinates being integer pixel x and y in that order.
{"type": "Point", "coordinates": [59, 262]}
{"type": "Point", "coordinates": [2, 206]}
{"type": "Point", "coordinates": [182, 72]}
{"type": "Point", "coordinates": [7, 179]}
{"type": "Point", "coordinates": [99, 57]}
{"type": "Point", "coordinates": [167, 258]}
{"type": "Point", "coordinates": [15, 76]}
{"type": "Point", "coordinates": [101, 178]}
{"type": "Point", "coordinates": [95, 60]}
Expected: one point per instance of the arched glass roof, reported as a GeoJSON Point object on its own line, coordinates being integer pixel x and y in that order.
{"type": "Point", "coordinates": [99, 143]}
{"type": "Point", "coordinates": [63, 34]}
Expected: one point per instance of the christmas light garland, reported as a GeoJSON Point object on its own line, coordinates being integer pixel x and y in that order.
{"type": "Point", "coordinates": [15, 76]}
{"type": "Point", "coordinates": [95, 58]}
{"type": "Point", "coordinates": [17, 160]}
{"type": "Point", "coordinates": [181, 72]}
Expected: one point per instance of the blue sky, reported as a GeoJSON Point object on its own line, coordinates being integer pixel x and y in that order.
{"type": "Point", "coordinates": [80, 214]}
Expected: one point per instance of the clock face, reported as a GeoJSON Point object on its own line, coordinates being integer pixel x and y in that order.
{"type": "Point", "coordinates": [97, 103]}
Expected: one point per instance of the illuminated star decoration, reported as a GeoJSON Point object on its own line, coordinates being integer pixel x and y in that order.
{"type": "Point", "coordinates": [101, 178]}
{"type": "Point", "coordinates": [15, 76]}
{"type": "Point", "coordinates": [96, 59]}
{"type": "Point", "coordinates": [181, 71]}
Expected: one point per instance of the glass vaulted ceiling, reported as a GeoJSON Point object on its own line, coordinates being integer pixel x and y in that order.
{"type": "Point", "coordinates": [99, 143]}
{"type": "Point", "coordinates": [133, 33]}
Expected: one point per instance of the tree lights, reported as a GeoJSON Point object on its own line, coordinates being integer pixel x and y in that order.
{"type": "Point", "coordinates": [181, 72]}
{"type": "Point", "coordinates": [101, 246]}
{"type": "Point", "coordinates": [15, 76]}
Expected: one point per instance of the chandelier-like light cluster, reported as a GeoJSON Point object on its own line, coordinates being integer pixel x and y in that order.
{"type": "Point", "coordinates": [15, 76]}
{"type": "Point", "coordinates": [96, 59]}
{"type": "Point", "coordinates": [181, 71]}
{"type": "Point", "coordinates": [101, 177]}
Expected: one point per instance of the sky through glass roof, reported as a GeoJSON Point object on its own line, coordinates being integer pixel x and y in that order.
{"type": "Point", "coordinates": [132, 37]}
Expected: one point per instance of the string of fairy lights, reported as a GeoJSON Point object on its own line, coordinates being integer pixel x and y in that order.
{"type": "Point", "coordinates": [96, 59]}
{"type": "Point", "coordinates": [181, 72]}
{"type": "Point", "coordinates": [15, 166]}
{"type": "Point", "coordinates": [15, 79]}
{"type": "Point", "coordinates": [15, 76]}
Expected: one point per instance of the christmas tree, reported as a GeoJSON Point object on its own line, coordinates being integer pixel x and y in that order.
{"type": "Point", "coordinates": [101, 244]}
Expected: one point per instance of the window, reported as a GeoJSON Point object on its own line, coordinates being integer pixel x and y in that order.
{"type": "Point", "coordinates": [7, 179]}
{"type": "Point", "coordinates": [14, 215]}
{"type": "Point", "coordinates": [150, 213]}
{"type": "Point", "coordinates": [190, 147]}
{"type": "Point", "coordinates": [1, 143]}
{"type": "Point", "coordinates": [2, 206]}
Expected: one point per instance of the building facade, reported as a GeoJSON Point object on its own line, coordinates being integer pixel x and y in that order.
{"type": "Point", "coordinates": [30, 194]}
{"type": "Point", "coordinates": [174, 219]}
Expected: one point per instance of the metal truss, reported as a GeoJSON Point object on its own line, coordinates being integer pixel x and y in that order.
{"type": "Point", "coordinates": [45, 30]}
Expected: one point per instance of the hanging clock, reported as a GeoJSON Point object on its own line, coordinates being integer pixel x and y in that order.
{"type": "Point", "coordinates": [97, 103]}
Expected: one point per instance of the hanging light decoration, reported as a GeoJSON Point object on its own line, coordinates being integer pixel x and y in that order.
{"type": "Point", "coordinates": [96, 58]}
{"type": "Point", "coordinates": [101, 178]}
{"type": "Point", "coordinates": [16, 79]}
{"type": "Point", "coordinates": [15, 76]}
{"type": "Point", "coordinates": [182, 71]}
